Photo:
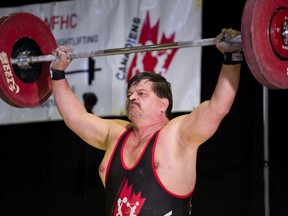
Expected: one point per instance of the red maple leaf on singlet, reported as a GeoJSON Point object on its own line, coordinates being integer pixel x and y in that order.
{"type": "Point", "coordinates": [128, 203]}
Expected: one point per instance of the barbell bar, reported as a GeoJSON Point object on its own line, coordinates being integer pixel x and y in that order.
{"type": "Point", "coordinates": [25, 58]}
{"type": "Point", "coordinates": [25, 54]}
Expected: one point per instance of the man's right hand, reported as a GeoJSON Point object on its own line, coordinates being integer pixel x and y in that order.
{"type": "Point", "coordinates": [62, 62]}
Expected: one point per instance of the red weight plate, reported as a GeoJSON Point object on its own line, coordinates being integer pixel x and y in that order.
{"type": "Point", "coordinates": [15, 90]}
{"type": "Point", "coordinates": [2, 95]}
{"type": "Point", "coordinates": [247, 43]}
{"type": "Point", "coordinates": [273, 68]}
{"type": "Point", "coordinates": [277, 32]}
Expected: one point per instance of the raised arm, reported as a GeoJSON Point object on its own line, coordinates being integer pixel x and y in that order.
{"type": "Point", "coordinates": [204, 120]}
{"type": "Point", "coordinates": [91, 128]}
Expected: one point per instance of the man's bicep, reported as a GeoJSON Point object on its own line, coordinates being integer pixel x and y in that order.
{"type": "Point", "coordinates": [91, 129]}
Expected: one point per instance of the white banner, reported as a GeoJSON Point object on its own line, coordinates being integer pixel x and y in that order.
{"type": "Point", "coordinates": [91, 25]}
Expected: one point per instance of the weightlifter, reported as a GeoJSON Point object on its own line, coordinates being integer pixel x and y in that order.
{"type": "Point", "coordinates": [149, 166]}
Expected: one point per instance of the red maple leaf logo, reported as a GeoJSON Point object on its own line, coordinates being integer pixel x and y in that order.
{"type": "Point", "coordinates": [129, 203]}
{"type": "Point", "coordinates": [155, 61]}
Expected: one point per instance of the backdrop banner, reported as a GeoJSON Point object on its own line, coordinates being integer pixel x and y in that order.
{"type": "Point", "coordinates": [91, 25]}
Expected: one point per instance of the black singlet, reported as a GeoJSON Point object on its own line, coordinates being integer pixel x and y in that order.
{"type": "Point", "coordinates": [137, 190]}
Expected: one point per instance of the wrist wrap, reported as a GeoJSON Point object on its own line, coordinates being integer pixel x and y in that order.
{"type": "Point", "coordinates": [57, 74]}
{"type": "Point", "coordinates": [233, 58]}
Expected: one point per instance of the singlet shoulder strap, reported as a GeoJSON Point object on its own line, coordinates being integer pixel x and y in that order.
{"type": "Point", "coordinates": [120, 140]}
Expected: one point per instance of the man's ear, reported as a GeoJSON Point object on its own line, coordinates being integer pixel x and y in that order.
{"type": "Point", "coordinates": [164, 104]}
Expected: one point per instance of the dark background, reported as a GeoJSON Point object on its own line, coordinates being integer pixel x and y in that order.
{"type": "Point", "coordinates": [48, 170]}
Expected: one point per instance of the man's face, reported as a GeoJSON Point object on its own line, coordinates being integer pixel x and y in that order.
{"type": "Point", "coordinates": [141, 101]}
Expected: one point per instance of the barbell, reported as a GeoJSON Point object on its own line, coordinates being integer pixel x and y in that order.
{"type": "Point", "coordinates": [25, 54]}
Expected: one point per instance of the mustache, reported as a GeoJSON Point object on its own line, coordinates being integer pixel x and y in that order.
{"type": "Point", "coordinates": [133, 103]}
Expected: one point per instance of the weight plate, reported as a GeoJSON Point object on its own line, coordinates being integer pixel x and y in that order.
{"type": "Point", "coordinates": [273, 67]}
{"type": "Point", "coordinates": [247, 43]}
{"type": "Point", "coordinates": [2, 95]}
{"type": "Point", "coordinates": [25, 87]}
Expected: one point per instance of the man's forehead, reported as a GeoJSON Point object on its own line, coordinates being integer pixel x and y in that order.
{"type": "Point", "coordinates": [142, 83]}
